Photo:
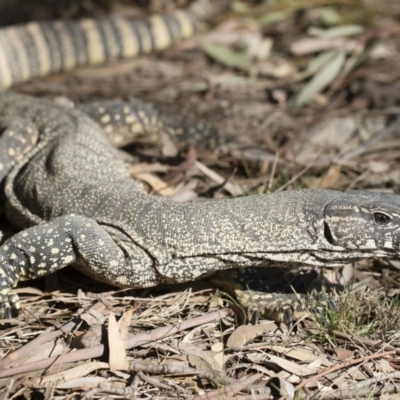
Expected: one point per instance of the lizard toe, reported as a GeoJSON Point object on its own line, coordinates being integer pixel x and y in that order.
{"type": "Point", "coordinates": [5, 310]}
{"type": "Point", "coordinates": [9, 306]}
{"type": "Point", "coordinates": [15, 305]}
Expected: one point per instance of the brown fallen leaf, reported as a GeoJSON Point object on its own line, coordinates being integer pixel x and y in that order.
{"type": "Point", "coordinates": [199, 358]}
{"type": "Point", "coordinates": [316, 45]}
{"type": "Point", "coordinates": [83, 383]}
{"type": "Point", "coordinates": [72, 373]}
{"type": "Point", "coordinates": [245, 333]}
{"type": "Point", "coordinates": [124, 323]}
{"type": "Point", "coordinates": [117, 359]}
{"type": "Point", "coordinates": [289, 366]}
{"type": "Point", "coordinates": [343, 354]}
{"type": "Point", "coordinates": [47, 350]}
{"type": "Point", "coordinates": [186, 193]}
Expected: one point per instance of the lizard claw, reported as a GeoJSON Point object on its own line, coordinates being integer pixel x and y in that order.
{"type": "Point", "coordinates": [285, 314]}
{"type": "Point", "coordinates": [5, 310]}
{"type": "Point", "coordinates": [255, 317]}
{"type": "Point", "coordinates": [294, 307]}
{"type": "Point", "coordinates": [288, 318]}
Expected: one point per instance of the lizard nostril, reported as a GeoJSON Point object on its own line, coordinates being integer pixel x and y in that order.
{"type": "Point", "coordinates": [328, 234]}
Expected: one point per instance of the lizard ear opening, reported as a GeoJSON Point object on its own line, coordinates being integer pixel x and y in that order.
{"type": "Point", "coordinates": [328, 234]}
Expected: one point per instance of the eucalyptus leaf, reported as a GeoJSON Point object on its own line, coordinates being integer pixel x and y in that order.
{"type": "Point", "coordinates": [330, 17]}
{"type": "Point", "coordinates": [321, 80]}
{"type": "Point", "coordinates": [337, 31]}
{"type": "Point", "coordinates": [226, 56]}
{"type": "Point", "coordinates": [272, 18]}
{"type": "Point", "coordinates": [239, 7]}
{"type": "Point", "coordinates": [316, 64]}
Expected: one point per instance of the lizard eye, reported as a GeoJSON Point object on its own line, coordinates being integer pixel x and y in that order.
{"type": "Point", "coordinates": [381, 219]}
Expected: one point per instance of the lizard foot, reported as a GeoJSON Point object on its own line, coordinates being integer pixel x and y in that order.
{"type": "Point", "coordinates": [276, 293]}
{"type": "Point", "coordinates": [284, 307]}
{"type": "Point", "coordinates": [9, 306]}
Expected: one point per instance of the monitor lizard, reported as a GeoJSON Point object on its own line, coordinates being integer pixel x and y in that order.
{"type": "Point", "coordinates": [71, 196]}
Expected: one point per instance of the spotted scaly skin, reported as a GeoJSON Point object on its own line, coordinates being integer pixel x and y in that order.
{"type": "Point", "coordinates": [72, 198]}
{"type": "Point", "coordinates": [41, 48]}
{"type": "Point", "coordinates": [38, 49]}
{"type": "Point", "coordinates": [74, 201]}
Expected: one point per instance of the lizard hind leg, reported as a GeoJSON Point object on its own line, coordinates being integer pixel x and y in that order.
{"type": "Point", "coordinates": [126, 122]}
{"type": "Point", "coordinates": [135, 121]}
{"type": "Point", "coordinates": [18, 137]}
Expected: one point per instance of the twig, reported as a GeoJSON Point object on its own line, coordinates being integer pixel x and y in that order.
{"type": "Point", "coordinates": [263, 396]}
{"type": "Point", "coordinates": [110, 389]}
{"type": "Point", "coordinates": [341, 366]}
{"type": "Point", "coordinates": [45, 337]}
{"type": "Point", "coordinates": [140, 367]}
{"type": "Point", "coordinates": [375, 139]}
{"type": "Point", "coordinates": [297, 176]}
{"type": "Point", "coordinates": [98, 351]}
{"type": "Point", "coordinates": [364, 341]}
{"type": "Point", "coordinates": [230, 390]}
{"type": "Point", "coordinates": [362, 388]}
{"type": "Point", "coordinates": [153, 381]}
{"type": "Point", "coordinates": [271, 179]}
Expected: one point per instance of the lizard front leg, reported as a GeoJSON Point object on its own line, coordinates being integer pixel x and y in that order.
{"type": "Point", "coordinates": [43, 249]}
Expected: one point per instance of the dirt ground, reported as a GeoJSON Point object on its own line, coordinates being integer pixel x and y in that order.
{"type": "Point", "coordinates": [303, 94]}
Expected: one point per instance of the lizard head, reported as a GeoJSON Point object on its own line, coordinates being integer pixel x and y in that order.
{"type": "Point", "coordinates": [365, 221]}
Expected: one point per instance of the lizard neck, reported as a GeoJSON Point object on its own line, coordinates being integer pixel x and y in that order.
{"type": "Point", "coordinates": [278, 223]}
{"type": "Point", "coordinates": [201, 238]}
